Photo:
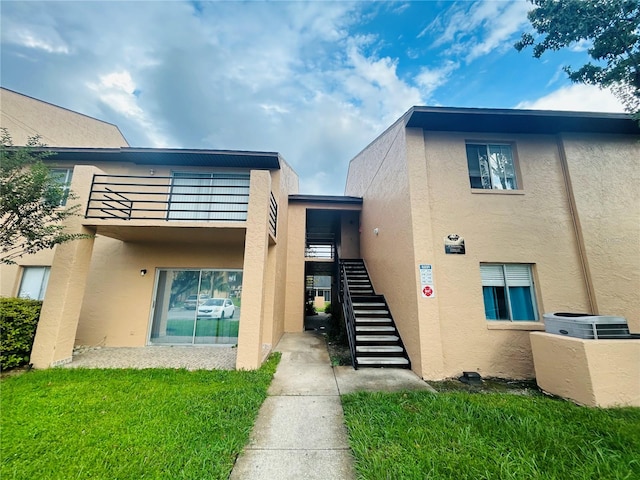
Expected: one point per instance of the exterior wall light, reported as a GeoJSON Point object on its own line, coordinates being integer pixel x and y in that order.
{"type": "Point", "coordinates": [376, 231]}
{"type": "Point", "coordinates": [143, 272]}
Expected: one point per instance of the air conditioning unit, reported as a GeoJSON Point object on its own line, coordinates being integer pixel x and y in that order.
{"type": "Point", "coordinates": [584, 325]}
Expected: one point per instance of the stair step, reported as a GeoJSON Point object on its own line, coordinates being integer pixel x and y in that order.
{"type": "Point", "coordinates": [374, 328]}
{"type": "Point", "coordinates": [377, 338]}
{"type": "Point", "coordinates": [386, 361]}
{"type": "Point", "coordinates": [368, 304]}
{"type": "Point", "coordinates": [361, 320]}
{"type": "Point", "coordinates": [370, 312]}
{"type": "Point", "coordinates": [381, 349]}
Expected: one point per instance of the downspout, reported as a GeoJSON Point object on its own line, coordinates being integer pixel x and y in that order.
{"type": "Point", "coordinates": [577, 228]}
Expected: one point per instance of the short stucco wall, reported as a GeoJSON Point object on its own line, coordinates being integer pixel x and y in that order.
{"type": "Point", "coordinates": [597, 373]}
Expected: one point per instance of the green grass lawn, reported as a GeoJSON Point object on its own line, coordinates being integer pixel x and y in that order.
{"type": "Point", "coordinates": [127, 424]}
{"type": "Point", "coordinates": [489, 436]}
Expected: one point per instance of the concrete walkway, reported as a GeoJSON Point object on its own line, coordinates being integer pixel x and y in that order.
{"type": "Point", "coordinates": [300, 432]}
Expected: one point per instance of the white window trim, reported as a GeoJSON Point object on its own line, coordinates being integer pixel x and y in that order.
{"type": "Point", "coordinates": [42, 281]}
{"type": "Point", "coordinates": [516, 172]}
{"type": "Point", "coordinates": [66, 183]}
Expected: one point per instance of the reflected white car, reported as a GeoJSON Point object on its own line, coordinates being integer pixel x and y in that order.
{"type": "Point", "coordinates": [217, 308]}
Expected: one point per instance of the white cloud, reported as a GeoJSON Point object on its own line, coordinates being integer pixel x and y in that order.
{"type": "Point", "coordinates": [577, 97]}
{"type": "Point", "coordinates": [432, 78]}
{"type": "Point", "coordinates": [581, 46]}
{"type": "Point", "coordinates": [499, 24]}
{"type": "Point", "coordinates": [38, 38]}
{"type": "Point", "coordinates": [118, 91]}
{"type": "Point", "coordinates": [475, 29]}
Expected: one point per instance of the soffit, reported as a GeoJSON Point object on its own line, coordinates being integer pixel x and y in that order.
{"type": "Point", "coordinates": [156, 156]}
{"type": "Point", "coordinates": [519, 121]}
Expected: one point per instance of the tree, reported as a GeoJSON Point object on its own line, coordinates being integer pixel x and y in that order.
{"type": "Point", "coordinates": [31, 196]}
{"type": "Point", "coordinates": [611, 28]}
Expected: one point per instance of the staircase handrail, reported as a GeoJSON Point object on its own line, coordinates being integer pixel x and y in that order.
{"type": "Point", "coordinates": [348, 314]}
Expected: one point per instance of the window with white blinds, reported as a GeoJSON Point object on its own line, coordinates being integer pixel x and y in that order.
{"type": "Point", "coordinates": [209, 196]}
{"type": "Point", "coordinates": [508, 292]}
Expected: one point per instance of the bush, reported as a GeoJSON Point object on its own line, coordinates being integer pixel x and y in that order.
{"type": "Point", "coordinates": [18, 322]}
{"type": "Point", "coordinates": [327, 308]}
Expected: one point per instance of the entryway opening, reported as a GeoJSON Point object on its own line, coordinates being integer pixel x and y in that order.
{"type": "Point", "coordinates": [329, 233]}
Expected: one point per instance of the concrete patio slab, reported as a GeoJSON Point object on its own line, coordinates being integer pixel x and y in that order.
{"type": "Point", "coordinates": [190, 357]}
{"type": "Point", "coordinates": [300, 423]}
{"type": "Point", "coordinates": [350, 380]}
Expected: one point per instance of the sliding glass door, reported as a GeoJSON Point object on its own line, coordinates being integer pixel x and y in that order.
{"type": "Point", "coordinates": [196, 306]}
{"type": "Point", "coordinates": [209, 196]}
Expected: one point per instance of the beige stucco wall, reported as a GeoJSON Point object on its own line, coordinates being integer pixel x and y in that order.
{"type": "Point", "coordinates": [26, 117]}
{"type": "Point", "coordinates": [116, 310]}
{"type": "Point", "coordinates": [381, 175]}
{"type": "Point", "coordinates": [285, 183]}
{"type": "Point", "coordinates": [416, 191]}
{"type": "Point", "coordinates": [605, 174]}
{"type": "Point", "coordinates": [349, 246]}
{"type": "Point", "coordinates": [57, 326]}
{"type": "Point", "coordinates": [602, 373]}
{"type": "Point", "coordinates": [294, 286]}
{"type": "Point", "coordinates": [532, 225]}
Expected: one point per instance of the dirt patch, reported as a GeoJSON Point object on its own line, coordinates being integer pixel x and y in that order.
{"type": "Point", "coordinates": [12, 372]}
{"type": "Point", "coordinates": [339, 352]}
{"type": "Point", "coordinates": [489, 385]}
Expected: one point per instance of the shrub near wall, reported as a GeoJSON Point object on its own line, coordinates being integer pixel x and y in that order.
{"type": "Point", "coordinates": [18, 322]}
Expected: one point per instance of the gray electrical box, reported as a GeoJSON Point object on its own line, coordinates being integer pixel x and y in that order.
{"type": "Point", "coordinates": [584, 325]}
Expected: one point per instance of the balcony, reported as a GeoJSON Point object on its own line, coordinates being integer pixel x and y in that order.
{"type": "Point", "coordinates": [194, 199]}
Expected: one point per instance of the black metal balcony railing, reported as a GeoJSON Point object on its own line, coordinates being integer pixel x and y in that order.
{"type": "Point", "coordinates": [320, 246]}
{"type": "Point", "coordinates": [273, 215]}
{"type": "Point", "coordinates": [223, 197]}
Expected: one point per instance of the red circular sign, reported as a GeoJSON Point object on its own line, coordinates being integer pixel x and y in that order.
{"type": "Point", "coordinates": [427, 290]}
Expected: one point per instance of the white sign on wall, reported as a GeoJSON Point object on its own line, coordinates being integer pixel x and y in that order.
{"type": "Point", "coordinates": [426, 281]}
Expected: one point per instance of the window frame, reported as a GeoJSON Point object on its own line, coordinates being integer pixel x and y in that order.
{"type": "Point", "coordinates": [517, 177]}
{"type": "Point", "coordinates": [509, 281]}
{"type": "Point", "coordinates": [66, 184]}
{"type": "Point", "coordinates": [43, 281]}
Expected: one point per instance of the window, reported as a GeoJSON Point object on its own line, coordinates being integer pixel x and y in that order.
{"type": "Point", "coordinates": [34, 282]}
{"type": "Point", "coordinates": [491, 166]}
{"type": "Point", "coordinates": [508, 292]}
{"type": "Point", "coordinates": [62, 176]}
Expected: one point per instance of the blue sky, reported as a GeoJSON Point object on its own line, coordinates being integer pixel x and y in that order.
{"type": "Point", "coordinates": [315, 81]}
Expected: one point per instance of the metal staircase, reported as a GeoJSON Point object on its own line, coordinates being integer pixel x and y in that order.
{"type": "Point", "coordinates": [373, 337]}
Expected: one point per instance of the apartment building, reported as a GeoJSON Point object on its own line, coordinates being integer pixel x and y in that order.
{"type": "Point", "coordinates": [468, 224]}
